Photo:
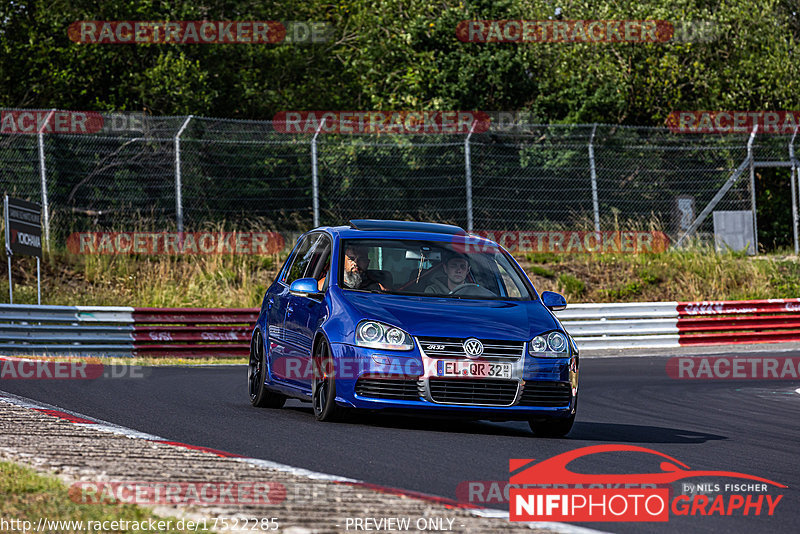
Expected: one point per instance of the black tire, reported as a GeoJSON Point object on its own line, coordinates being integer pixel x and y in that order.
{"type": "Point", "coordinates": [323, 396]}
{"type": "Point", "coordinates": [260, 396]}
{"type": "Point", "coordinates": [552, 428]}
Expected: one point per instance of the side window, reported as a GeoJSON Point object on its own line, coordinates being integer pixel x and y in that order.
{"type": "Point", "coordinates": [312, 259]}
{"type": "Point", "coordinates": [301, 259]}
{"type": "Point", "coordinates": [511, 288]}
{"type": "Point", "coordinates": [322, 263]}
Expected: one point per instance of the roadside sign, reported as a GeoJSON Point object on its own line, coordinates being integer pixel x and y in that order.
{"type": "Point", "coordinates": [23, 237]}
{"type": "Point", "coordinates": [23, 227]}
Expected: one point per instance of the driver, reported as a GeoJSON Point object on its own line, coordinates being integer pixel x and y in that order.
{"type": "Point", "coordinates": [356, 263]}
{"type": "Point", "coordinates": [456, 267]}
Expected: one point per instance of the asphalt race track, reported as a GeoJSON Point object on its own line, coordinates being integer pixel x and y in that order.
{"type": "Point", "coordinates": [749, 426]}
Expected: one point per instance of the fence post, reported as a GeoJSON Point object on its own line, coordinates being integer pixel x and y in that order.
{"type": "Point", "coordinates": [793, 161]}
{"type": "Point", "coordinates": [468, 172]}
{"type": "Point", "coordinates": [43, 176]}
{"type": "Point", "coordinates": [8, 250]}
{"type": "Point", "coordinates": [593, 174]}
{"type": "Point", "coordinates": [314, 175]}
{"type": "Point", "coordinates": [178, 185]}
{"type": "Point", "coordinates": [753, 185]}
{"type": "Point", "coordinates": [718, 196]}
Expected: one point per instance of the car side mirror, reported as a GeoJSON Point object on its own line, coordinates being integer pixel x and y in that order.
{"type": "Point", "coordinates": [305, 287]}
{"type": "Point", "coordinates": [553, 301]}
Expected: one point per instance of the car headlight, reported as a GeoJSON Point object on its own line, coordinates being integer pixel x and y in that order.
{"type": "Point", "coordinates": [377, 335]}
{"type": "Point", "coordinates": [553, 344]}
{"type": "Point", "coordinates": [557, 342]}
{"type": "Point", "coordinates": [538, 344]}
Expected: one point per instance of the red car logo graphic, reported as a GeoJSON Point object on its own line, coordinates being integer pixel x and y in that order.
{"type": "Point", "coordinates": [554, 470]}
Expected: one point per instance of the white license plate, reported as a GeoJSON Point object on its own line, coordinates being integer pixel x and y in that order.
{"type": "Point", "coordinates": [465, 368]}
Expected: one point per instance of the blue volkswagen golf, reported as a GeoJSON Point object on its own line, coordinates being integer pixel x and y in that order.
{"type": "Point", "coordinates": [412, 317]}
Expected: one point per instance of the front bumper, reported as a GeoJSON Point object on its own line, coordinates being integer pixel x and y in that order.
{"type": "Point", "coordinates": [414, 372]}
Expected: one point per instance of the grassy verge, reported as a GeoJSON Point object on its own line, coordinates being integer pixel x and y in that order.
{"type": "Point", "coordinates": [698, 274]}
{"type": "Point", "coordinates": [240, 281]}
{"type": "Point", "coordinates": [26, 495]}
{"type": "Point", "coordinates": [161, 281]}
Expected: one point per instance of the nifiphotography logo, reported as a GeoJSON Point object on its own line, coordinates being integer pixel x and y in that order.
{"type": "Point", "coordinates": [580, 497]}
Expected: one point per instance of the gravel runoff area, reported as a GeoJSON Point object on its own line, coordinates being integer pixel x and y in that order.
{"type": "Point", "coordinates": [314, 503]}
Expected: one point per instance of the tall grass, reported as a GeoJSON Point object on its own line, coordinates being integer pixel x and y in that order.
{"type": "Point", "coordinates": [693, 274]}
{"type": "Point", "coordinates": [168, 281]}
{"type": "Point", "coordinates": [697, 273]}
{"type": "Point", "coordinates": [220, 280]}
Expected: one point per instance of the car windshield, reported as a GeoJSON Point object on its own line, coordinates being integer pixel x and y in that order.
{"type": "Point", "coordinates": [431, 269]}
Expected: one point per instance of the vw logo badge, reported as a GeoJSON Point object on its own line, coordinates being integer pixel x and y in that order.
{"type": "Point", "coordinates": [473, 348]}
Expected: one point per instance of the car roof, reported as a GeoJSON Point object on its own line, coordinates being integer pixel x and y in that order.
{"type": "Point", "coordinates": [406, 226]}
{"type": "Point", "coordinates": [388, 229]}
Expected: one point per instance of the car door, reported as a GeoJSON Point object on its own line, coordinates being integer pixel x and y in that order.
{"type": "Point", "coordinates": [276, 302]}
{"type": "Point", "coordinates": [305, 314]}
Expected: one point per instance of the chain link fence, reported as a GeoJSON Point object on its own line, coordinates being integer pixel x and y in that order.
{"type": "Point", "coordinates": [187, 173]}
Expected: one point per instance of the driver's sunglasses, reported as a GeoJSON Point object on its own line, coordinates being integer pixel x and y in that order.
{"type": "Point", "coordinates": [356, 259]}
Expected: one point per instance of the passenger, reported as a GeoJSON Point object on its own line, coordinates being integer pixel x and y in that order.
{"type": "Point", "coordinates": [456, 268]}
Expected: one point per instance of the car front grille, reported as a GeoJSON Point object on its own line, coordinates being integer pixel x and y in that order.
{"type": "Point", "coordinates": [492, 392]}
{"type": "Point", "coordinates": [388, 388]}
{"type": "Point", "coordinates": [453, 348]}
{"type": "Point", "coordinates": [546, 394]}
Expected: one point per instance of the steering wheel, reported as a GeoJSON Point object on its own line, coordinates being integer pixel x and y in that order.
{"type": "Point", "coordinates": [459, 287]}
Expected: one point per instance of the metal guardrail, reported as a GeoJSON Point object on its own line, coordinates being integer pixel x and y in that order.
{"type": "Point", "coordinates": [125, 331]}
{"type": "Point", "coordinates": [622, 325]}
{"type": "Point", "coordinates": [675, 324]}
{"type": "Point", "coordinates": [225, 333]}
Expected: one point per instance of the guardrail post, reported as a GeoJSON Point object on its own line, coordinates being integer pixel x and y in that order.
{"type": "Point", "coordinates": [753, 185]}
{"type": "Point", "coordinates": [314, 174]}
{"type": "Point", "coordinates": [468, 173]}
{"type": "Point", "coordinates": [10, 285]}
{"type": "Point", "coordinates": [593, 174]}
{"type": "Point", "coordinates": [794, 175]}
{"type": "Point", "coordinates": [178, 185]}
{"type": "Point", "coordinates": [43, 176]}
